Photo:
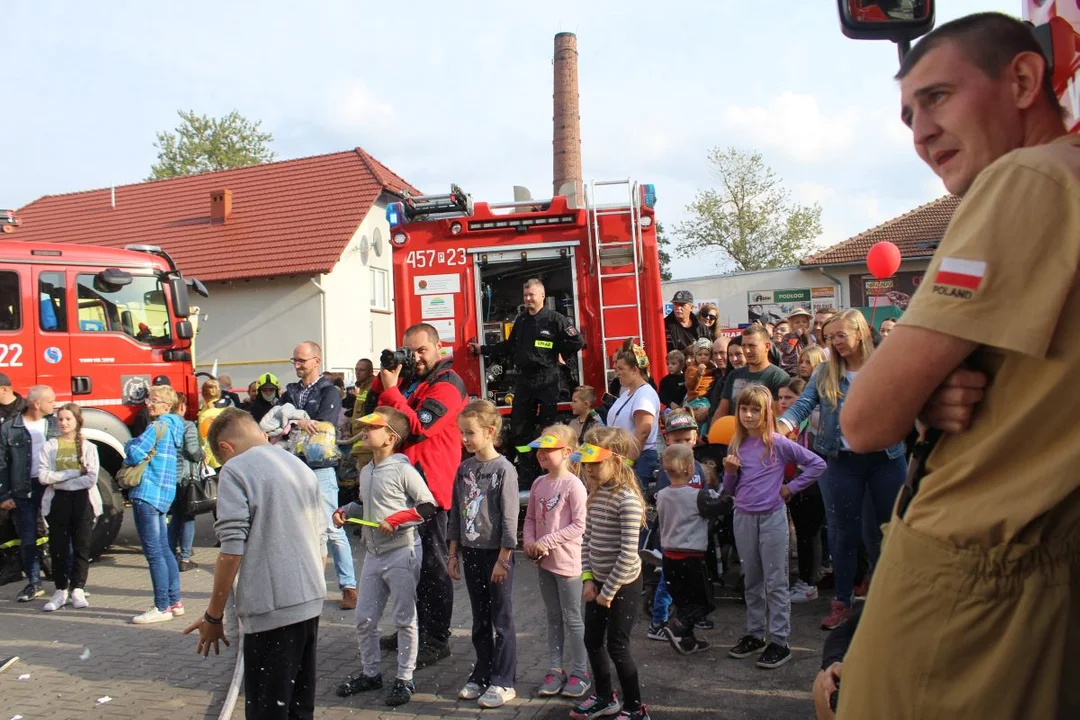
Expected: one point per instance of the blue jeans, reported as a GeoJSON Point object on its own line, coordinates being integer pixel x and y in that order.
{"type": "Point", "coordinates": [25, 516]}
{"type": "Point", "coordinates": [154, 536]}
{"type": "Point", "coordinates": [661, 604]}
{"type": "Point", "coordinates": [181, 533]}
{"type": "Point", "coordinates": [339, 541]}
{"type": "Point", "coordinates": [645, 467]}
{"type": "Point", "coordinates": [848, 480]}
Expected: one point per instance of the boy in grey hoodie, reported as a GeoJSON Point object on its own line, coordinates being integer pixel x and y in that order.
{"type": "Point", "coordinates": [273, 533]}
{"type": "Point", "coordinates": [394, 499]}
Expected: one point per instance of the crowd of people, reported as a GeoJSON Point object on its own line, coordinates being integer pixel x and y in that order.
{"type": "Point", "coordinates": [820, 439]}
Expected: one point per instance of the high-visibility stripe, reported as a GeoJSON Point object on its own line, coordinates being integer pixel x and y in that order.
{"type": "Point", "coordinates": [16, 543]}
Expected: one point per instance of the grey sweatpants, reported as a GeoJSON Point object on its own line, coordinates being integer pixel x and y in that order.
{"type": "Point", "coordinates": [762, 542]}
{"type": "Point", "coordinates": [392, 576]}
{"type": "Point", "coordinates": [565, 628]}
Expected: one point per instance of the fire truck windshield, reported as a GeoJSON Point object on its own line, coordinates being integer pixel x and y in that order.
{"type": "Point", "coordinates": [137, 309]}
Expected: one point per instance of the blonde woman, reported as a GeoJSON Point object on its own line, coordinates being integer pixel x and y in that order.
{"type": "Point", "coordinates": [850, 477]}
{"type": "Point", "coordinates": [152, 498]}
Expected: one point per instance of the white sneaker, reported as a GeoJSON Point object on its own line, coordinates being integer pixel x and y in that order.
{"type": "Point", "coordinates": [496, 696]}
{"type": "Point", "coordinates": [153, 615]}
{"type": "Point", "coordinates": [78, 598]}
{"type": "Point", "coordinates": [804, 594]}
{"type": "Point", "coordinates": [471, 691]}
{"type": "Point", "coordinates": [59, 600]}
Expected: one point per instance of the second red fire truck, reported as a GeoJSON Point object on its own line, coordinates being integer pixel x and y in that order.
{"type": "Point", "coordinates": [460, 266]}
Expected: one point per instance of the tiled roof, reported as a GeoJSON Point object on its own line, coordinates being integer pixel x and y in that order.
{"type": "Point", "coordinates": [288, 218]}
{"type": "Point", "coordinates": [915, 233]}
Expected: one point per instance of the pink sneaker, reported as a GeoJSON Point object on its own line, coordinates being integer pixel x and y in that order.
{"type": "Point", "coordinates": [838, 613]}
{"type": "Point", "coordinates": [178, 609]}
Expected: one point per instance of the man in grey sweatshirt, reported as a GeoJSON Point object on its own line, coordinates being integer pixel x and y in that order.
{"type": "Point", "coordinates": [273, 534]}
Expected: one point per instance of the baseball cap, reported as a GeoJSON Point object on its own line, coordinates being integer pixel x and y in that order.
{"type": "Point", "coordinates": [377, 420]}
{"type": "Point", "coordinates": [544, 442]}
{"type": "Point", "coordinates": [682, 296]}
{"type": "Point", "coordinates": [799, 312]}
{"type": "Point", "coordinates": [5, 381]}
{"type": "Point", "coordinates": [703, 344]}
{"type": "Point", "coordinates": [675, 421]}
{"type": "Point", "coordinates": [162, 380]}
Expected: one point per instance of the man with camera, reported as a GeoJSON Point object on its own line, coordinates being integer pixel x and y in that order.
{"type": "Point", "coordinates": [419, 381]}
{"type": "Point", "coordinates": [539, 338]}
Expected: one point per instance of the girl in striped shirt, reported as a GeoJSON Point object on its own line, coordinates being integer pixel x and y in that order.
{"type": "Point", "coordinates": [611, 571]}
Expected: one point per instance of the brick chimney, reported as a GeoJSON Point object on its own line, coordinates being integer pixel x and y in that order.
{"type": "Point", "coordinates": [567, 138]}
{"type": "Point", "coordinates": [220, 206]}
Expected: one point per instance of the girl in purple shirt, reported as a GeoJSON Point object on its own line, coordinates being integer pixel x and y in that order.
{"type": "Point", "coordinates": [754, 474]}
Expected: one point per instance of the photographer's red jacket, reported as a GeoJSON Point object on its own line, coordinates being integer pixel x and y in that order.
{"type": "Point", "coordinates": [434, 446]}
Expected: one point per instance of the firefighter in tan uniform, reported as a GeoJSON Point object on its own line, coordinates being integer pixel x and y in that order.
{"type": "Point", "coordinates": [974, 608]}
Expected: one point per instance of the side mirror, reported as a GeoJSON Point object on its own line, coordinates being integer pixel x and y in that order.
{"type": "Point", "coordinates": [178, 290]}
{"type": "Point", "coordinates": [184, 330]}
{"type": "Point", "coordinates": [898, 20]}
{"type": "Point", "coordinates": [196, 285]}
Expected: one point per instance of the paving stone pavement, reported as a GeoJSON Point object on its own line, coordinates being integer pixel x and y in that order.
{"type": "Point", "coordinates": [74, 658]}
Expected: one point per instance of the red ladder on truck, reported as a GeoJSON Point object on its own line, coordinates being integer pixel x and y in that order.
{"type": "Point", "coordinates": [617, 254]}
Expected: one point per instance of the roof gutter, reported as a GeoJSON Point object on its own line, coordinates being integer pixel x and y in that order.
{"type": "Point", "coordinates": [839, 286]}
{"type": "Point", "coordinates": [322, 314]}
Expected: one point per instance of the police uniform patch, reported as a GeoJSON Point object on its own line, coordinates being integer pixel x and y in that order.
{"type": "Point", "coordinates": [425, 417]}
{"type": "Point", "coordinates": [571, 331]}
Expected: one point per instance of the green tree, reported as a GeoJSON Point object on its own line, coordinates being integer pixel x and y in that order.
{"type": "Point", "coordinates": [202, 144]}
{"type": "Point", "coordinates": [663, 244]}
{"type": "Point", "coordinates": [749, 218]}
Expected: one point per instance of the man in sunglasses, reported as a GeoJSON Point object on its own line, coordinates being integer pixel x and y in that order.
{"type": "Point", "coordinates": [681, 326]}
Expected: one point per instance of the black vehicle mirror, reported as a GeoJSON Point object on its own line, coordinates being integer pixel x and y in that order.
{"type": "Point", "coordinates": [197, 285]}
{"type": "Point", "coordinates": [178, 290]}
{"type": "Point", "coordinates": [184, 330]}
{"type": "Point", "coordinates": [110, 280]}
{"type": "Point", "coordinates": [898, 20]}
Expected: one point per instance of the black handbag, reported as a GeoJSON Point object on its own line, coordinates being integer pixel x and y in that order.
{"type": "Point", "coordinates": [200, 494]}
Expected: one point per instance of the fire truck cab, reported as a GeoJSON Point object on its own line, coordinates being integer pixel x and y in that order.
{"type": "Point", "coordinates": [97, 325]}
{"type": "Point", "coordinates": [461, 267]}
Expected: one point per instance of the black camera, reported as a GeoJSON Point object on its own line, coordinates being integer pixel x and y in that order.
{"type": "Point", "coordinates": [404, 358]}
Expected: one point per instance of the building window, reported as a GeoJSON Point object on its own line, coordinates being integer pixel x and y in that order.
{"type": "Point", "coordinates": [380, 289]}
{"type": "Point", "coordinates": [10, 316]}
{"type": "Point", "coordinates": [52, 301]}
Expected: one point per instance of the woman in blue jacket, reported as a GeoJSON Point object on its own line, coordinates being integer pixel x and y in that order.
{"type": "Point", "coordinates": [152, 498]}
{"type": "Point", "coordinates": [850, 477]}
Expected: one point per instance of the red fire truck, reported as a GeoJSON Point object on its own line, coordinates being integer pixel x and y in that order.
{"type": "Point", "coordinates": [97, 325]}
{"type": "Point", "coordinates": [1056, 26]}
{"type": "Point", "coordinates": [460, 266]}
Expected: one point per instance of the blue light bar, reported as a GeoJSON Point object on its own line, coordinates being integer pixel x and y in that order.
{"type": "Point", "coordinates": [650, 195]}
{"type": "Point", "coordinates": [395, 214]}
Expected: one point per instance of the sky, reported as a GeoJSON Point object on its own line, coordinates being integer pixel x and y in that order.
{"type": "Point", "coordinates": [461, 93]}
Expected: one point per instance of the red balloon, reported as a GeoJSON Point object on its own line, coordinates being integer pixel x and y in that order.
{"type": "Point", "coordinates": [883, 260]}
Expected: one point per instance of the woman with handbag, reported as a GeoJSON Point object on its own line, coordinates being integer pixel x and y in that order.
{"type": "Point", "coordinates": [188, 466]}
{"type": "Point", "coordinates": [68, 468]}
{"type": "Point", "coordinates": [150, 471]}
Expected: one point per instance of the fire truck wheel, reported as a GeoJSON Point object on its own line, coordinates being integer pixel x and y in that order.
{"type": "Point", "coordinates": [112, 514]}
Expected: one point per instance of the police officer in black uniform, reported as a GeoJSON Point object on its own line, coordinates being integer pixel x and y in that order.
{"type": "Point", "coordinates": [538, 339]}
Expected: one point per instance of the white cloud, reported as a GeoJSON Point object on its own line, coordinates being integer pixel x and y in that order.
{"type": "Point", "coordinates": [793, 122]}
{"type": "Point", "coordinates": [356, 107]}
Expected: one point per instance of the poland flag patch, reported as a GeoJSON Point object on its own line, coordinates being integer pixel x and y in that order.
{"type": "Point", "coordinates": [960, 273]}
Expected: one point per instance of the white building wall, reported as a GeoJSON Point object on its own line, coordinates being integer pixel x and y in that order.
{"type": "Point", "coordinates": [251, 326]}
{"type": "Point", "coordinates": [354, 328]}
{"type": "Point", "coordinates": [730, 291]}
